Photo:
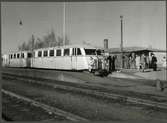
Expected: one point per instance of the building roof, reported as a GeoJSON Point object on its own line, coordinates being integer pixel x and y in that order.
{"type": "Point", "coordinates": [134, 49]}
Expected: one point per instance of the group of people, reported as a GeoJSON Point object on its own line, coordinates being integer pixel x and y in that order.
{"type": "Point", "coordinates": [146, 62]}
{"type": "Point", "coordinates": [102, 63]}
{"type": "Point", "coordinates": [132, 61]}
{"type": "Point", "coordinates": [140, 62]}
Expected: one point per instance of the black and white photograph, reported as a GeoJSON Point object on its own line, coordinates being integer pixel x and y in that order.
{"type": "Point", "coordinates": [83, 61]}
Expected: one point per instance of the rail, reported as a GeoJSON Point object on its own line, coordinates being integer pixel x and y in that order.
{"type": "Point", "coordinates": [97, 93]}
{"type": "Point", "coordinates": [49, 109]}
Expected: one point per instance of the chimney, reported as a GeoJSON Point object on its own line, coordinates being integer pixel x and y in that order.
{"type": "Point", "coordinates": [105, 43]}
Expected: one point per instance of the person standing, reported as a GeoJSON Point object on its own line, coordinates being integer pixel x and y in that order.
{"type": "Point", "coordinates": [91, 64]}
{"type": "Point", "coordinates": [147, 62]}
{"type": "Point", "coordinates": [126, 61]}
{"type": "Point", "coordinates": [143, 62]}
{"type": "Point", "coordinates": [150, 59]}
{"type": "Point", "coordinates": [130, 62]}
{"type": "Point", "coordinates": [113, 63]}
{"type": "Point", "coordinates": [154, 62]}
{"type": "Point", "coordinates": [110, 63]}
{"type": "Point", "coordinates": [164, 62]}
{"type": "Point", "coordinates": [133, 61]}
{"type": "Point", "coordinates": [138, 62]}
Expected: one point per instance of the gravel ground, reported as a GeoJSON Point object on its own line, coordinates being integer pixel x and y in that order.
{"type": "Point", "coordinates": [153, 75]}
{"type": "Point", "coordinates": [87, 107]}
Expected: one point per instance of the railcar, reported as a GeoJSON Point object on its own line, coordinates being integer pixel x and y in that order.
{"type": "Point", "coordinates": [71, 57]}
{"type": "Point", "coordinates": [17, 59]}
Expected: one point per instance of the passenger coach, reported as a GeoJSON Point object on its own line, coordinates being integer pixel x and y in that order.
{"type": "Point", "coordinates": [71, 57]}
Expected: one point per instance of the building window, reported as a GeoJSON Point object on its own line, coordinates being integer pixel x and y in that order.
{"type": "Point", "coordinates": [66, 52]}
{"type": "Point", "coordinates": [58, 53]}
{"type": "Point", "coordinates": [78, 51]}
{"type": "Point", "coordinates": [11, 56]}
{"type": "Point", "coordinates": [51, 53]}
{"type": "Point", "coordinates": [45, 53]}
{"type": "Point", "coordinates": [39, 53]}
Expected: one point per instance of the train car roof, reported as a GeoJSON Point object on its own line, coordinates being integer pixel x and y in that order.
{"type": "Point", "coordinates": [11, 52]}
{"type": "Point", "coordinates": [57, 47]}
{"type": "Point", "coordinates": [68, 46]}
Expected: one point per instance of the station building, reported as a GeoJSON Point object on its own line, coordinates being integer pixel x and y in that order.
{"type": "Point", "coordinates": [132, 51]}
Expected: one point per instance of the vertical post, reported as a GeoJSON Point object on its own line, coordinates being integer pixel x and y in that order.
{"type": "Point", "coordinates": [64, 22]}
{"type": "Point", "coordinates": [121, 41]}
{"type": "Point", "coordinates": [32, 50]}
{"type": "Point", "coordinates": [21, 31]}
{"type": "Point", "coordinates": [32, 43]}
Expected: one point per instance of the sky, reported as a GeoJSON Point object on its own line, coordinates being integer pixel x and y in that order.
{"type": "Point", "coordinates": [144, 22]}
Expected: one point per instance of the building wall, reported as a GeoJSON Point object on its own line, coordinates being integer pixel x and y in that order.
{"type": "Point", "coordinates": [160, 58]}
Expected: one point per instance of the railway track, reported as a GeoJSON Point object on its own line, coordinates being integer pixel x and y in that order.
{"type": "Point", "coordinates": [87, 89]}
{"type": "Point", "coordinates": [51, 110]}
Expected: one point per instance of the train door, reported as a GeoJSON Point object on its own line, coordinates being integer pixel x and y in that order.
{"type": "Point", "coordinates": [28, 62]}
{"type": "Point", "coordinates": [74, 58]}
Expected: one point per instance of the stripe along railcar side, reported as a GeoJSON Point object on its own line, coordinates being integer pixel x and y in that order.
{"type": "Point", "coordinates": [71, 57]}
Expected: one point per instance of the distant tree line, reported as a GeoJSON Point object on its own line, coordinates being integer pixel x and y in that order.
{"type": "Point", "coordinates": [49, 40]}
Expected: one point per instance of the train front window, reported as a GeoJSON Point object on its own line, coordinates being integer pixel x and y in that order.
{"type": "Point", "coordinates": [78, 51]}
{"type": "Point", "coordinates": [90, 51]}
{"type": "Point", "coordinates": [98, 52]}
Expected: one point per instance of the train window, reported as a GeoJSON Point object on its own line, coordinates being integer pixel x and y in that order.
{"type": "Point", "coordinates": [45, 53]}
{"type": "Point", "coordinates": [14, 55]}
{"type": "Point", "coordinates": [51, 53]}
{"type": "Point", "coordinates": [11, 56]}
{"type": "Point", "coordinates": [39, 53]}
{"type": "Point", "coordinates": [18, 55]}
{"type": "Point", "coordinates": [78, 51]}
{"type": "Point", "coordinates": [66, 52]}
{"type": "Point", "coordinates": [74, 51]}
{"type": "Point", "coordinates": [29, 55]}
{"type": "Point", "coordinates": [22, 55]}
{"type": "Point", "coordinates": [90, 51]}
{"type": "Point", "coordinates": [58, 53]}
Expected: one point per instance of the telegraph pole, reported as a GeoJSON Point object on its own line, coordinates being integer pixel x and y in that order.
{"type": "Point", "coordinates": [64, 22]}
{"type": "Point", "coordinates": [121, 17]}
{"type": "Point", "coordinates": [32, 49]}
